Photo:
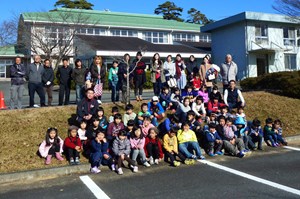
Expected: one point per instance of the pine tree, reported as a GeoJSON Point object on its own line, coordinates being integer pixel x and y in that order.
{"type": "Point", "coordinates": [195, 16]}
{"type": "Point", "coordinates": [75, 4]}
{"type": "Point", "coordinates": [169, 11]}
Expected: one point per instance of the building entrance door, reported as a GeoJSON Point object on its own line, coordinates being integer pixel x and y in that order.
{"type": "Point", "coordinates": [262, 65]}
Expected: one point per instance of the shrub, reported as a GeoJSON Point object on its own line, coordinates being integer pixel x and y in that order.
{"type": "Point", "coordinates": [287, 83]}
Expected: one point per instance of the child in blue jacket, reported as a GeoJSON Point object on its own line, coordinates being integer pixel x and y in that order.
{"type": "Point", "coordinates": [255, 134]}
{"type": "Point", "coordinates": [99, 153]}
{"type": "Point", "coordinates": [214, 141]}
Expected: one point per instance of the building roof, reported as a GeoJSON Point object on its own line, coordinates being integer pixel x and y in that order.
{"type": "Point", "coordinates": [110, 43]}
{"type": "Point", "coordinates": [248, 16]}
{"type": "Point", "coordinates": [107, 18]}
{"type": "Point", "coordinates": [10, 51]}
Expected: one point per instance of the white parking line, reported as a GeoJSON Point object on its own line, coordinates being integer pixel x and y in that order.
{"type": "Point", "coordinates": [292, 148]}
{"type": "Point", "coordinates": [93, 187]}
{"type": "Point", "coordinates": [251, 177]}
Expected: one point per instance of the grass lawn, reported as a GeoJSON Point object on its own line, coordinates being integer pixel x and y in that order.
{"type": "Point", "coordinates": [23, 130]}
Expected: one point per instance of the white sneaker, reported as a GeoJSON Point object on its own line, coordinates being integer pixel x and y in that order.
{"type": "Point", "coordinates": [135, 169]}
{"type": "Point", "coordinates": [156, 161]}
{"type": "Point", "coordinates": [151, 160]}
{"type": "Point", "coordinates": [95, 170]}
{"type": "Point", "coordinates": [99, 102]}
{"type": "Point", "coordinates": [113, 167]}
{"type": "Point", "coordinates": [36, 106]}
{"type": "Point", "coordinates": [120, 171]}
{"type": "Point", "coordinates": [146, 164]}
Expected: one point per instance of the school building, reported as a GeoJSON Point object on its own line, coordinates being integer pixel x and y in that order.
{"type": "Point", "coordinates": [258, 42]}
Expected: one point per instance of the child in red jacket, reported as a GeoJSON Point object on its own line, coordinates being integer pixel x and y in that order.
{"type": "Point", "coordinates": [73, 145]}
{"type": "Point", "coordinates": [214, 106]}
{"type": "Point", "coordinates": [153, 147]}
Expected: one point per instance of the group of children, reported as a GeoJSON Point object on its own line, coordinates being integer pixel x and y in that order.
{"type": "Point", "coordinates": [196, 119]}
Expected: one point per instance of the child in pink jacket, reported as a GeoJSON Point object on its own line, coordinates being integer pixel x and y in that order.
{"type": "Point", "coordinates": [137, 142]}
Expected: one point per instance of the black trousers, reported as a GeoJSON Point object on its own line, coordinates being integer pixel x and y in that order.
{"type": "Point", "coordinates": [130, 161]}
{"type": "Point", "coordinates": [138, 85]}
{"type": "Point", "coordinates": [54, 149]}
{"type": "Point", "coordinates": [64, 91]}
{"type": "Point", "coordinates": [152, 150]}
{"type": "Point", "coordinates": [39, 88]}
{"type": "Point", "coordinates": [72, 153]}
{"type": "Point", "coordinates": [173, 156]}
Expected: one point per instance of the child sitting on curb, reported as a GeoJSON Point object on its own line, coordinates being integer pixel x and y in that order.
{"type": "Point", "coordinates": [52, 146]}
{"type": "Point", "coordinates": [73, 145]}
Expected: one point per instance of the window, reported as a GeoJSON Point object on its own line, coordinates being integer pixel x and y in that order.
{"type": "Point", "coordinates": [184, 37]}
{"type": "Point", "coordinates": [3, 64]}
{"type": "Point", "coordinates": [205, 38]}
{"type": "Point", "coordinates": [289, 36]}
{"type": "Point", "coordinates": [156, 37]}
{"type": "Point", "coordinates": [261, 33]}
{"type": "Point", "coordinates": [123, 33]}
{"type": "Point", "coordinates": [57, 35]}
{"type": "Point", "coordinates": [290, 61]}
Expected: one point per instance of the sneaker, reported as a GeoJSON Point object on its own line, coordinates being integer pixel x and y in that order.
{"type": "Point", "coordinates": [135, 169]}
{"type": "Point", "coordinates": [274, 145]}
{"type": "Point", "coordinates": [219, 153]}
{"type": "Point", "coordinates": [77, 160]}
{"type": "Point", "coordinates": [189, 161]}
{"type": "Point", "coordinates": [99, 102]}
{"type": "Point", "coordinates": [36, 106]}
{"type": "Point", "coordinates": [201, 157]}
{"type": "Point", "coordinates": [58, 156]}
{"type": "Point", "coordinates": [95, 170]}
{"type": "Point", "coordinates": [120, 171]}
{"type": "Point", "coordinates": [156, 161]}
{"type": "Point", "coordinates": [194, 157]}
{"type": "Point", "coordinates": [151, 160]}
{"type": "Point", "coordinates": [176, 164]}
{"type": "Point", "coordinates": [211, 154]}
{"type": "Point", "coordinates": [113, 167]}
{"type": "Point", "coordinates": [241, 154]}
{"type": "Point", "coordinates": [146, 164]}
{"type": "Point", "coordinates": [72, 162]}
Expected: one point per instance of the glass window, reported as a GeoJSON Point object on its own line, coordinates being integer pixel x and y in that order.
{"type": "Point", "coordinates": [289, 36]}
{"type": "Point", "coordinates": [290, 61]}
{"type": "Point", "coordinates": [156, 37]}
{"type": "Point", "coordinates": [90, 31]}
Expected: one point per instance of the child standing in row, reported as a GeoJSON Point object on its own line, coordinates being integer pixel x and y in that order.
{"type": "Point", "coordinates": [52, 146]}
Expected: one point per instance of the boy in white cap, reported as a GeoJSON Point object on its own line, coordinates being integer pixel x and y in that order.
{"type": "Point", "coordinates": [155, 108]}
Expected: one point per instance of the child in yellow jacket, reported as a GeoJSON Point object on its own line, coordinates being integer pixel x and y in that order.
{"type": "Point", "coordinates": [170, 145]}
{"type": "Point", "coordinates": [188, 142]}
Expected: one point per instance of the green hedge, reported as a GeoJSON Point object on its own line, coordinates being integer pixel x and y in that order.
{"type": "Point", "coordinates": [287, 83]}
{"type": "Point", "coordinates": [148, 84]}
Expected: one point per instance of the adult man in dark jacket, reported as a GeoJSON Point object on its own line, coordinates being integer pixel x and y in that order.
{"type": "Point", "coordinates": [47, 79]}
{"type": "Point", "coordinates": [64, 76]}
{"type": "Point", "coordinates": [17, 73]}
{"type": "Point", "coordinates": [87, 107]}
{"type": "Point", "coordinates": [34, 75]}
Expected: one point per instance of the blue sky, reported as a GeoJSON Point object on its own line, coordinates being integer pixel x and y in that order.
{"type": "Point", "coordinates": [213, 9]}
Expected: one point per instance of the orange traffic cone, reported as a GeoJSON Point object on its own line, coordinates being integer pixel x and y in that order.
{"type": "Point", "coordinates": [2, 102]}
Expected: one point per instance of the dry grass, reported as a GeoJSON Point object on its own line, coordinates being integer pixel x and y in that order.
{"type": "Point", "coordinates": [23, 130]}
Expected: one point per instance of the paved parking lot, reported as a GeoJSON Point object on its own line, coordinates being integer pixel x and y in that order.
{"type": "Point", "coordinates": [273, 173]}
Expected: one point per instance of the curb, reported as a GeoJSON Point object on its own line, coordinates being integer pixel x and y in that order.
{"type": "Point", "coordinates": [64, 170]}
{"type": "Point", "coordinates": [43, 173]}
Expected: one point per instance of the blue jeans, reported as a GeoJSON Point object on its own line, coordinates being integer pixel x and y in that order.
{"type": "Point", "coordinates": [114, 91]}
{"type": "Point", "coordinates": [187, 149]}
{"type": "Point", "coordinates": [234, 105]}
{"type": "Point", "coordinates": [157, 87]}
{"type": "Point", "coordinates": [79, 93]}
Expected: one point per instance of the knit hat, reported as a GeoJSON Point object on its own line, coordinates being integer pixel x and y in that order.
{"type": "Point", "coordinates": [239, 121]}
{"type": "Point", "coordinates": [72, 128]}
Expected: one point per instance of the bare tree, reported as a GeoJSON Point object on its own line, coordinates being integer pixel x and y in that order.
{"type": "Point", "coordinates": [9, 31]}
{"type": "Point", "coordinates": [291, 8]}
{"type": "Point", "coordinates": [53, 38]}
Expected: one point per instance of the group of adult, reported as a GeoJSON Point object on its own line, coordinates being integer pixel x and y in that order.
{"type": "Point", "coordinates": [40, 76]}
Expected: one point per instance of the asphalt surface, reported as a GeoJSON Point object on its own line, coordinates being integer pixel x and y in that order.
{"type": "Point", "coordinates": [106, 97]}
{"type": "Point", "coordinates": [198, 181]}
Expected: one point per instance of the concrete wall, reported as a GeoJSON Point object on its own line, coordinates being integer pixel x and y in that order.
{"type": "Point", "coordinates": [230, 40]}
